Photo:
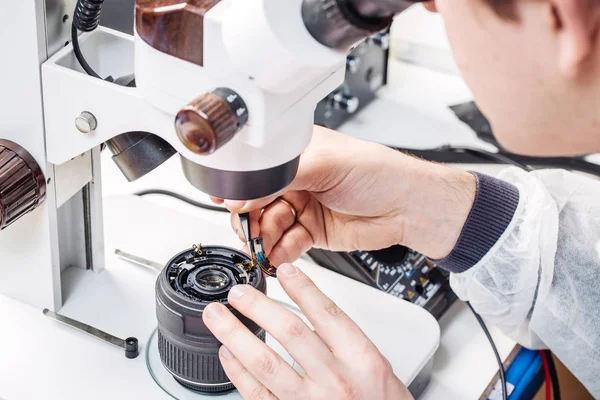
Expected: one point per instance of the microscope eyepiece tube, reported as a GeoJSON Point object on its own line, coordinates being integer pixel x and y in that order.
{"type": "Point", "coordinates": [340, 24]}
{"type": "Point", "coordinates": [380, 8]}
{"type": "Point", "coordinates": [139, 153]}
{"type": "Point", "coordinates": [337, 25]}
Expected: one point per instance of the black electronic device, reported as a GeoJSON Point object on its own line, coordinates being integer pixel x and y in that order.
{"type": "Point", "coordinates": [366, 73]}
{"type": "Point", "coordinates": [399, 271]}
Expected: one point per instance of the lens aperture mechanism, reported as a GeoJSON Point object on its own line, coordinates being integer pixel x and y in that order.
{"type": "Point", "coordinates": [192, 280]}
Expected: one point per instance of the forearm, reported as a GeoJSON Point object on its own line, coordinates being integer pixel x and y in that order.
{"type": "Point", "coordinates": [456, 217]}
{"type": "Point", "coordinates": [438, 203]}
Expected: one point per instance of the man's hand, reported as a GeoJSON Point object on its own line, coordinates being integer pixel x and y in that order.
{"type": "Point", "coordinates": [355, 195]}
{"type": "Point", "coordinates": [340, 362]}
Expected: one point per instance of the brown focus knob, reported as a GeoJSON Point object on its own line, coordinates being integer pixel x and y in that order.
{"type": "Point", "coordinates": [22, 183]}
{"type": "Point", "coordinates": [211, 121]}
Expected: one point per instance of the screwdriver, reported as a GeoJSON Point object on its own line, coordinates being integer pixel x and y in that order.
{"type": "Point", "coordinates": [245, 221]}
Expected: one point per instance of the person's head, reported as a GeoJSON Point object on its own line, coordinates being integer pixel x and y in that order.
{"type": "Point", "coordinates": [533, 67]}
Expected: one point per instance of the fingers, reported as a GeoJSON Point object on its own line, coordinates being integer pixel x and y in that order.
{"type": "Point", "coordinates": [278, 218]}
{"type": "Point", "coordinates": [217, 200]}
{"type": "Point", "coordinates": [334, 327]}
{"type": "Point", "coordinates": [242, 206]}
{"type": "Point", "coordinates": [286, 327]}
{"type": "Point", "coordinates": [323, 165]}
{"type": "Point", "coordinates": [291, 246]}
{"type": "Point", "coordinates": [313, 170]}
{"type": "Point", "coordinates": [245, 249]}
{"type": "Point", "coordinates": [248, 386]}
{"type": "Point", "coordinates": [261, 361]}
{"type": "Point", "coordinates": [254, 225]}
{"type": "Point", "coordinates": [239, 207]}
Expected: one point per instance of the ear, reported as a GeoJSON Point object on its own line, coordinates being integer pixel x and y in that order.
{"type": "Point", "coordinates": [576, 22]}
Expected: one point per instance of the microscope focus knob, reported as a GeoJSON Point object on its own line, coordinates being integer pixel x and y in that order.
{"type": "Point", "coordinates": [22, 183]}
{"type": "Point", "coordinates": [211, 120]}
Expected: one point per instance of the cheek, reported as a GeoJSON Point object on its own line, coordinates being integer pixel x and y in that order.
{"type": "Point", "coordinates": [471, 51]}
{"type": "Point", "coordinates": [540, 145]}
{"type": "Point", "coordinates": [474, 44]}
{"type": "Point", "coordinates": [497, 65]}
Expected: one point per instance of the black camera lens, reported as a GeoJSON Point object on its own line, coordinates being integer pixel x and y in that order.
{"type": "Point", "coordinates": [190, 281]}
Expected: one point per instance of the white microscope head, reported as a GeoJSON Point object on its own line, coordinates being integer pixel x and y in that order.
{"type": "Point", "coordinates": [241, 80]}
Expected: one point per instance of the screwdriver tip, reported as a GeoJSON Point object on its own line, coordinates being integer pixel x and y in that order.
{"type": "Point", "coordinates": [245, 222]}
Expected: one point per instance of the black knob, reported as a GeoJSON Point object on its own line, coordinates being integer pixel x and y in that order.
{"type": "Point", "coordinates": [382, 40]}
{"type": "Point", "coordinates": [132, 349]}
{"type": "Point", "coordinates": [22, 183]}
{"type": "Point", "coordinates": [352, 64]}
{"type": "Point", "coordinates": [346, 102]}
{"type": "Point", "coordinates": [392, 256]}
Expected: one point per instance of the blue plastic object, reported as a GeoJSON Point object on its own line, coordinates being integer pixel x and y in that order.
{"type": "Point", "coordinates": [524, 377]}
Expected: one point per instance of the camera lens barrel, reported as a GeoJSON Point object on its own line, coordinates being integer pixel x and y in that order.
{"type": "Point", "coordinates": [190, 281]}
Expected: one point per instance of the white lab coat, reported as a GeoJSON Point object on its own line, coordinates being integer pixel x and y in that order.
{"type": "Point", "coordinates": [540, 283]}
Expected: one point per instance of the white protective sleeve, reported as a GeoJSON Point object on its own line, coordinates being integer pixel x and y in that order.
{"type": "Point", "coordinates": [540, 283]}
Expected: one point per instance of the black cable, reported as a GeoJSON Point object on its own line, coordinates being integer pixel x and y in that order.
{"type": "Point", "coordinates": [181, 198]}
{"type": "Point", "coordinates": [80, 58]}
{"type": "Point", "coordinates": [495, 349]}
{"type": "Point", "coordinates": [500, 157]}
{"type": "Point", "coordinates": [448, 155]}
{"type": "Point", "coordinates": [553, 375]}
{"type": "Point", "coordinates": [86, 18]}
